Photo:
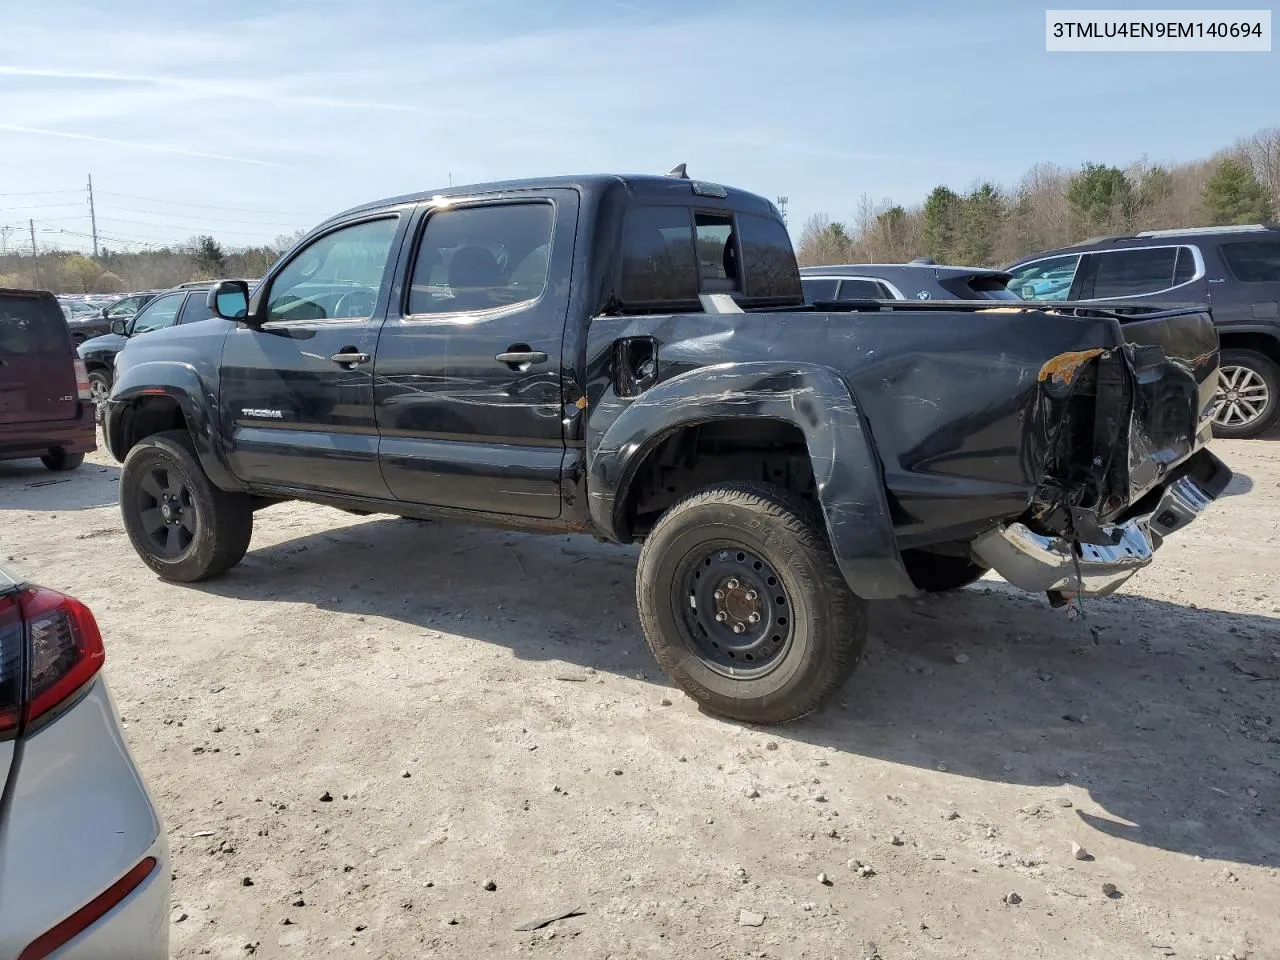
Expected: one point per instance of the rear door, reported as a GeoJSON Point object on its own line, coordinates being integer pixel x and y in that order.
{"type": "Point", "coordinates": [1249, 291]}
{"type": "Point", "coordinates": [37, 374]}
{"type": "Point", "coordinates": [470, 404]}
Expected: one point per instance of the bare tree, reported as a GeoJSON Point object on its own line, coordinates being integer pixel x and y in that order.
{"type": "Point", "coordinates": [1263, 152]}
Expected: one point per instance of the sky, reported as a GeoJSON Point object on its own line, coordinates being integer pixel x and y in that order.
{"type": "Point", "coordinates": [274, 114]}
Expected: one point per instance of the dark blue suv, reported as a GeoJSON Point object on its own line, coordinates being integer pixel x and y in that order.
{"type": "Point", "coordinates": [1235, 270]}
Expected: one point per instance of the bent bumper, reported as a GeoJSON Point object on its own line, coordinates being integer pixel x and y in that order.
{"type": "Point", "coordinates": [1039, 564]}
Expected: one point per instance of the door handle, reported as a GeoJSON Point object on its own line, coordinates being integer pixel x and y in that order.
{"type": "Point", "coordinates": [521, 359]}
{"type": "Point", "coordinates": [350, 358]}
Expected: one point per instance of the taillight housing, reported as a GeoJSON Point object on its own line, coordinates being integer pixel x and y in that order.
{"type": "Point", "coordinates": [82, 381]}
{"type": "Point", "coordinates": [50, 648]}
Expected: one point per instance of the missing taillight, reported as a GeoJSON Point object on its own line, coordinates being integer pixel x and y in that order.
{"type": "Point", "coordinates": [65, 649]}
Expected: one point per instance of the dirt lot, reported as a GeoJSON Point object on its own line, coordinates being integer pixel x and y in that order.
{"type": "Point", "coordinates": [370, 719]}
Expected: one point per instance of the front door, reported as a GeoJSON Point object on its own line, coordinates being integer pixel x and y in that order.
{"type": "Point", "coordinates": [469, 396]}
{"type": "Point", "coordinates": [297, 388]}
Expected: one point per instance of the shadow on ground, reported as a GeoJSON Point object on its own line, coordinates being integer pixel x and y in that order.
{"type": "Point", "coordinates": [27, 485]}
{"type": "Point", "coordinates": [1169, 721]}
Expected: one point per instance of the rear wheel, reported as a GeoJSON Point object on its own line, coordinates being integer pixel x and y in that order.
{"type": "Point", "coordinates": [182, 526]}
{"type": "Point", "coordinates": [938, 573]}
{"type": "Point", "coordinates": [1247, 403]}
{"type": "Point", "coordinates": [744, 607]}
{"type": "Point", "coordinates": [59, 460]}
{"type": "Point", "coordinates": [99, 385]}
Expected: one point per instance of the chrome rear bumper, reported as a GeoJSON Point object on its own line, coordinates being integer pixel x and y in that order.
{"type": "Point", "coordinates": [1040, 564]}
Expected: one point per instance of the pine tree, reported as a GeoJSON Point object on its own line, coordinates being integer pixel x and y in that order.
{"type": "Point", "coordinates": [1233, 195]}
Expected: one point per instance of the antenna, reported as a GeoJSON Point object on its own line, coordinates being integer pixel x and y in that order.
{"type": "Point", "coordinates": [93, 218]}
{"type": "Point", "coordinates": [782, 208]}
{"type": "Point", "coordinates": [678, 172]}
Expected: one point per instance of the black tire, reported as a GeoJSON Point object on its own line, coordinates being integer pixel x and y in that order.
{"type": "Point", "coordinates": [937, 573]}
{"type": "Point", "coordinates": [60, 460]}
{"type": "Point", "coordinates": [1264, 372]}
{"type": "Point", "coordinates": [213, 527]}
{"type": "Point", "coordinates": [825, 624]}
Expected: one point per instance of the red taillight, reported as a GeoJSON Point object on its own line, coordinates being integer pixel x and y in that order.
{"type": "Point", "coordinates": [10, 665]}
{"type": "Point", "coordinates": [64, 648]}
{"type": "Point", "coordinates": [89, 914]}
{"type": "Point", "coordinates": [82, 381]}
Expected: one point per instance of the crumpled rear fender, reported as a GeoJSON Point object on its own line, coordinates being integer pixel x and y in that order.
{"type": "Point", "coordinates": [846, 469]}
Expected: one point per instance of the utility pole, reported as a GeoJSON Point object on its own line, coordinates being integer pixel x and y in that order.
{"type": "Point", "coordinates": [782, 208]}
{"type": "Point", "coordinates": [93, 218]}
{"type": "Point", "coordinates": [35, 259]}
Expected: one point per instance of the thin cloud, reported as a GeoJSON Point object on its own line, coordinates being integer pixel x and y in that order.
{"type": "Point", "coordinates": [204, 87]}
{"type": "Point", "coordinates": [136, 145]}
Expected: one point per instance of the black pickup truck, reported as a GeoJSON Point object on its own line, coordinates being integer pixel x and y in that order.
{"type": "Point", "coordinates": [632, 357]}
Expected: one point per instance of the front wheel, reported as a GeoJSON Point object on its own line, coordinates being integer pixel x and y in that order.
{"type": "Point", "coordinates": [1247, 403]}
{"type": "Point", "coordinates": [744, 606]}
{"type": "Point", "coordinates": [182, 526]}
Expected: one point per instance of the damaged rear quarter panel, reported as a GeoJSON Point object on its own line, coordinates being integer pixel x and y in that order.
{"type": "Point", "coordinates": [947, 407]}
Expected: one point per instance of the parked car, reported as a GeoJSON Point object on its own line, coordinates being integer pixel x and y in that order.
{"type": "Point", "coordinates": [181, 304]}
{"type": "Point", "coordinates": [632, 357]}
{"type": "Point", "coordinates": [921, 279]}
{"type": "Point", "coordinates": [89, 318]}
{"type": "Point", "coordinates": [1235, 270]}
{"type": "Point", "coordinates": [45, 408]}
{"type": "Point", "coordinates": [84, 862]}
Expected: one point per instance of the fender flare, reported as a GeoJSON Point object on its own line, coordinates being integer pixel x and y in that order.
{"type": "Point", "coordinates": [846, 468]}
{"type": "Point", "coordinates": [181, 383]}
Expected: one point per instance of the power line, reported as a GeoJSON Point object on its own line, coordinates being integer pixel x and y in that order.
{"type": "Point", "coordinates": [35, 193]}
{"type": "Point", "coordinates": [201, 218]}
{"type": "Point", "coordinates": [41, 206]}
{"type": "Point", "coordinates": [207, 206]}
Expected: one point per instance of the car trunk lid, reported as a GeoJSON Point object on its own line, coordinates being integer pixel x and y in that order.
{"type": "Point", "coordinates": [37, 372]}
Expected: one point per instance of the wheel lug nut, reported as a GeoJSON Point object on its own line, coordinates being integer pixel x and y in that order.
{"type": "Point", "coordinates": [732, 584]}
{"type": "Point", "coordinates": [719, 594]}
{"type": "Point", "coordinates": [754, 618]}
{"type": "Point", "coordinates": [751, 594]}
{"type": "Point", "coordinates": [721, 617]}
{"type": "Point", "coordinates": [738, 628]}
{"type": "Point", "coordinates": [724, 554]}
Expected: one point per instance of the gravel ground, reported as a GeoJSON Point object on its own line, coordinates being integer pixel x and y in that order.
{"type": "Point", "coordinates": [371, 721]}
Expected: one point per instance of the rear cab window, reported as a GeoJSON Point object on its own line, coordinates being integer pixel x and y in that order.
{"type": "Point", "coordinates": [31, 326]}
{"type": "Point", "coordinates": [671, 254]}
{"type": "Point", "coordinates": [1254, 261]}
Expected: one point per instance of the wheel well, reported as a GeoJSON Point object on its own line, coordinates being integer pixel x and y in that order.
{"type": "Point", "coordinates": [148, 416]}
{"type": "Point", "coordinates": [1263, 343]}
{"type": "Point", "coordinates": [693, 457]}
{"type": "Point", "coordinates": [93, 365]}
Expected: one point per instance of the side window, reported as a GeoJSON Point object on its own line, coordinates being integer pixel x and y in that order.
{"type": "Point", "coordinates": [336, 277]}
{"type": "Point", "coordinates": [1184, 270]}
{"type": "Point", "coordinates": [769, 266]}
{"type": "Point", "coordinates": [862, 290]}
{"type": "Point", "coordinates": [482, 258]}
{"type": "Point", "coordinates": [1048, 279]}
{"type": "Point", "coordinates": [658, 260]}
{"type": "Point", "coordinates": [158, 314]}
{"type": "Point", "coordinates": [819, 289]}
{"type": "Point", "coordinates": [1253, 262]}
{"type": "Point", "coordinates": [1129, 273]}
{"type": "Point", "coordinates": [124, 308]}
{"type": "Point", "coordinates": [196, 308]}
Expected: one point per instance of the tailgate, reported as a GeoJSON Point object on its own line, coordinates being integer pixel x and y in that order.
{"type": "Point", "coordinates": [37, 371]}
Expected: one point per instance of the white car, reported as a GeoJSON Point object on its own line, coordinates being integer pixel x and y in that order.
{"type": "Point", "coordinates": [84, 862]}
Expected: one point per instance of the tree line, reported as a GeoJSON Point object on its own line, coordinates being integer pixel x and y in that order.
{"type": "Point", "coordinates": [118, 271]}
{"type": "Point", "coordinates": [1051, 207]}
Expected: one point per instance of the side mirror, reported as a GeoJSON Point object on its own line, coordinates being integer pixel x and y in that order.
{"type": "Point", "coordinates": [229, 299]}
{"type": "Point", "coordinates": [117, 327]}
{"type": "Point", "coordinates": [103, 314]}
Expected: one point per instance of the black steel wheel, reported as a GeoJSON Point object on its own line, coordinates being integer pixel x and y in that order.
{"type": "Point", "coordinates": [181, 525]}
{"type": "Point", "coordinates": [744, 606]}
{"type": "Point", "coordinates": [738, 617]}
